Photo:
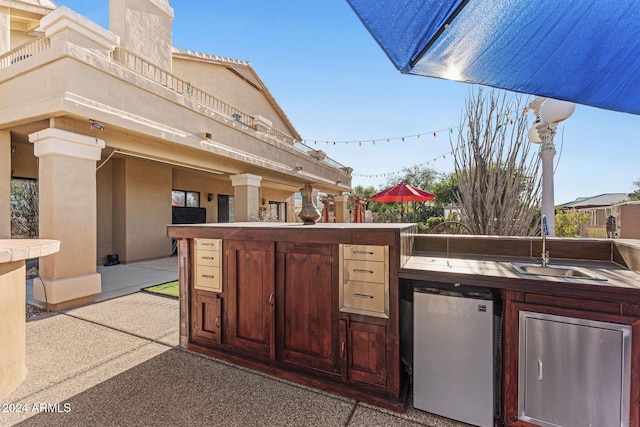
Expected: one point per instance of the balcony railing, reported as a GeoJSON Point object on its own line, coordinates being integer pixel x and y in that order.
{"type": "Point", "coordinates": [160, 76]}
{"type": "Point", "coordinates": [24, 51]}
{"type": "Point", "coordinates": [168, 80]}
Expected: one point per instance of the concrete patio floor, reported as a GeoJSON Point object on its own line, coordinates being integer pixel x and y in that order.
{"type": "Point", "coordinates": [117, 363]}
{"type": "Point", "coordinates": [125, 279]}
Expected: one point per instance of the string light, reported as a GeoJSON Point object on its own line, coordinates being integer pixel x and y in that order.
{"type": "Point", "coordinates": [443, 156]}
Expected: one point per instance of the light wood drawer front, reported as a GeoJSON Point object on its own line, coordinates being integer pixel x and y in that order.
{"type": "Point", "coordinates": [364, 296]}
{"type": "Point", "coordinates": [209, 244]}
{"type": "Point", "coordinates": [364, 271]}
{"type": "Point", "coordinates": [208, 278]}
{"type": "Point", "coordinates": [208, 258]}
{"type": "Point", "coordinates": [363, 252]}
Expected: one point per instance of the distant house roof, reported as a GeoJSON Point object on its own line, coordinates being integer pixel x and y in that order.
{"type": "Point", "coordinates": [600, 200]}
{"type": "Point", "coordinates": [243, 69]}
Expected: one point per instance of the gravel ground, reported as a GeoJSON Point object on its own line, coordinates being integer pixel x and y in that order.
{"type": "Point", "coordinates": [34, 311]}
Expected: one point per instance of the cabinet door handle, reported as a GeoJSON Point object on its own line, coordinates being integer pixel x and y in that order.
{"type": "Point", "coordinates": [539, 370]}
{"type": "Point", "coordinates": [355, 270]}
{"type": "Point", "coordinates": [271, 299]}
{"type": "Point", "coordinates": [342, 346]}
{"type": "Point", "coordinates": [218, 322]}
{"type": "Point", "coordinates": [363, 296]}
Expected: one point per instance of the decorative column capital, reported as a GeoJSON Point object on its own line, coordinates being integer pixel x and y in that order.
{"type": "Point", "coordinates": [246, 179]}
{"type": "Point", "coordinates": [52, 141]}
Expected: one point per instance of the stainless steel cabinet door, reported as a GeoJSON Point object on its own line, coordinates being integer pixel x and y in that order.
{"type": "Point", "coordinates": [573, 372]}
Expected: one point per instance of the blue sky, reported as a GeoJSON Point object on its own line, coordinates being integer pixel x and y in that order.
{"type": "Point", "coordinates": [336, 84]}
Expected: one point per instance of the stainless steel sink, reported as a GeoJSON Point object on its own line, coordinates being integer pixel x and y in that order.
{"type": "Point", "coordinates": [554, 271]}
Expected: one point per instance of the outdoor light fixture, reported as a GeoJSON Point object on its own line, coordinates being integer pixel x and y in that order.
{"type": "Point", "coordinates": [533, 133]}
{"type": "Point", "coordinates": [96, 125]}
{"type": "Point", "coordinates": [549, 113]}
{"type": "Point", "coordinates": [554, 111]}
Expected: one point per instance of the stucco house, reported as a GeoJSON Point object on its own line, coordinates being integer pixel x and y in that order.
{"type": "Point", "coordinates": [119, 128]}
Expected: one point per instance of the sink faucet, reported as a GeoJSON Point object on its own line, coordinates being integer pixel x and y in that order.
{"type": "Point", "coordinates": [545, 232]}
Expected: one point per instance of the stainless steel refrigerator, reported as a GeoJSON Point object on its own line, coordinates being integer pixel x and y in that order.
{"type": "Point", "coordinates": [453, 354]}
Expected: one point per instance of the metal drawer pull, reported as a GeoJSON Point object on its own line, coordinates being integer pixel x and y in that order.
{"type": "Point", "coordinates": [208, 276]}
{"type": "Point", "coordinates": [363, 296]}
{"type": "Point", "coordinates": [363, 252]}
{"type": "Point", "coordinates": [539, 370]}
{"type": "Point", "coordinates": [207, 244]}
{"type": "Point", "coordinates": [208, 257]}
{"type": "Point", "coordinates": [271, 299]}
{"type": "Point", "coordinates": [342, 348]}
{"type": "Point", "coordinates": [217, 321]}
{"type": "Point", "coordinates": [355, 270]}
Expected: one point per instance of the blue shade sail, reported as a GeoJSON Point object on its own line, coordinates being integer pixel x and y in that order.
{"type": "Point", "coordinates": [584, 51]}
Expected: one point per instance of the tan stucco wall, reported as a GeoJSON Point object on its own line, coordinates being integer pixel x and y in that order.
{"type": "Point", "coordinates": [104, 189]}
{"type": "Point", "coordinates": [5, 184]}
{"type": "Point", "coordinates": [119, 210]}
{"type": "Point", "coordinates": [227, 87]}
{"type": "Point", "coordinates": [630, 221]}
{"type": "Point", "coordinates": [141, 209]}
{"type": "Point", "coordinates": [205, 184]}
{"type": "Point", "coordinates": [12, 326]}
{"type": "Point", "coordinates": [23, 163]}
{"type": "Point", "coordinates": [5, 31]}
{"type": "Point", "coordinates": [144, 27]}
{"type": "Point", "coordinates": [67, 212]}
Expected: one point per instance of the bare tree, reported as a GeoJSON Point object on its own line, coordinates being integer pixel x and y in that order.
{"type": "Point", "coordinates": [496, 166]}
{"type": "Point", "coordinates": [24, 209]}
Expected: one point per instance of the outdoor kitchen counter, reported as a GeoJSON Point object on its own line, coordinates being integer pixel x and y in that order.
{"type": "Point", "coordinates": [486, 261]}
{"type": "Point", "coordinates": [13, 253]}
{"type": "Point", "coordinates": [498, 272]}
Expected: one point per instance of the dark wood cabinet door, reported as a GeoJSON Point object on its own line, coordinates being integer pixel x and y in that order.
{"type": "Point", "coordinates": [307, 306]}
{"type": "Point", "coordinates": [365, 352]}
{"type": "Point", "coordinates": [207, 321]}
{"type": "Point", "coordinates": [250, 298]}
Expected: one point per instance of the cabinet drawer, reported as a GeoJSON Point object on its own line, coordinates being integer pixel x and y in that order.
{"type": "Point", "coordinates": [364, 252]}
{"type": "Point", "coordinates": [207, 258]}
{"type": "Point", "coordinates": [208, 278]}
{"type": "Point", "coordinates": [364, 271]}
{"type": "Point", "coordinates": [361, 297]}
{"type": "Point", "coordinates": [208, 244]}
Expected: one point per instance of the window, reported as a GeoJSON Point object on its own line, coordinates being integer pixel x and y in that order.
{"type": "Point", "coordinates": [278, 211]}
{"type": "Point", "coordinates": [189, 199]}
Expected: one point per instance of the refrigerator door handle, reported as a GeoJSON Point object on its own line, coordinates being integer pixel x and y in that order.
{"type": "Point", "coordinates": [539, 370]}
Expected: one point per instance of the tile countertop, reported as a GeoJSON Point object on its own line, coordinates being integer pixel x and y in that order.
{"type": "Point", "coordinates": [22, 249]}
{"type": "Point", "coordinates": [497, 271]}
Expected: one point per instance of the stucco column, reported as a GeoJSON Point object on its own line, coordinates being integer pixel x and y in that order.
{"type": "Point", "coordinates": [67, 193]}
{"type": "Point", "coordinates": [340, 208]}
{"type": "Point", "coordinates": [246, 194]}
{"type": "Point", "coordinates": [5, 184]}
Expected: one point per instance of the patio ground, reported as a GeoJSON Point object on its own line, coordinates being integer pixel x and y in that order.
{"type": "Point", "coordinates": [117, 362]}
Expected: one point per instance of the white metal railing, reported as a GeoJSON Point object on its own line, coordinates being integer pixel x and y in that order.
{"type": "Point", "coordinates": [24, 51]}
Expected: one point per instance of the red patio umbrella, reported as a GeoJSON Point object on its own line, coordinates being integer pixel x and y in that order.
{"type": "Point", "coordinates": [402, 193]}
